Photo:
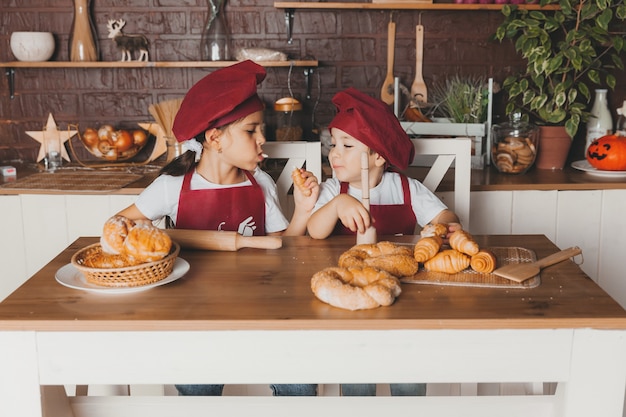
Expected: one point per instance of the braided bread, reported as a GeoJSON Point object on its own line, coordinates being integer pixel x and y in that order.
{"type": "Point", "coordinates": [396, 259]}
{"type": "Point", "coordinates": [355, 288]}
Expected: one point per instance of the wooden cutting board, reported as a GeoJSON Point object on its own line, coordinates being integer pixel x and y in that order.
{"type": "Point", "coordinates": [92, 181]}
{"type": "Point", "coordinates": [470, 278]}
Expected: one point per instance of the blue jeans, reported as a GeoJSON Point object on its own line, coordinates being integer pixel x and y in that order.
{"type": "Point", "coordinates": [292, 390]}
{"type": "Point", "coordinates": [369, 390]}
{"type": "Point", "coordinates": [200, 390]}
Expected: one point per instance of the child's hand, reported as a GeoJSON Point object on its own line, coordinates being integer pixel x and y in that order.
{"type": "Point", "coordinates": [306, 189]}
{"type": "Point", "coordinates": [453, 227]}
{"type": "Point", "coordinates": [352, 213]}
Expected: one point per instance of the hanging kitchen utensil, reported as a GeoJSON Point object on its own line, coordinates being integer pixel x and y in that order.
{"type": "Point", "coordinates": [523, 271]}
{"type": "Point", "coordinates": [419, 92]}
{"type": "Point", "coordinates": [386, 92]}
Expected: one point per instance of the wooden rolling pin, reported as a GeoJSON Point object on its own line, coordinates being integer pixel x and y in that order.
{"type": "Point", "coordinates": [222, 240]}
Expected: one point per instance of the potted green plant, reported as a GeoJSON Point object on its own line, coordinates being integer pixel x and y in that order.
{"type": "Point", "coordinates": [461, 106]}
{"type": "Point", "coordinates": [462, 99]}
{"type": "Point", "coordinates": [569, 51]}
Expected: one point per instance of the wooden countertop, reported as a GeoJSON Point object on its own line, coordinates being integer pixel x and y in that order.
{"type": "Point", "coordinates": [270, 289]}
{"type": "Point", "coordinates": [488, 179]}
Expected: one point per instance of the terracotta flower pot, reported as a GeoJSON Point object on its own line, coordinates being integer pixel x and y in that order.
{"type": "Point", "coordinates": [554, 146]}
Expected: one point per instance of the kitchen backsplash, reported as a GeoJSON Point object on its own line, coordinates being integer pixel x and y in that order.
{"type": "Point", "coordinates": [351, 46]}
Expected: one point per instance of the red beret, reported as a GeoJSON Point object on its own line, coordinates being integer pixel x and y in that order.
{"type": "Point", "coordinates": [372, 122]}
{"type": "Point", "coordinates": [220, 98]}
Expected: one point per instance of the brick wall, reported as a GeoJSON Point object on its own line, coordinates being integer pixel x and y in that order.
{"type": "Point", "coordinates": [350, 45]}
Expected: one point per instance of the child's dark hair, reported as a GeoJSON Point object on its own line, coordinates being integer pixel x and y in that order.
{"type": "Point", "coordinates": [183, 163]}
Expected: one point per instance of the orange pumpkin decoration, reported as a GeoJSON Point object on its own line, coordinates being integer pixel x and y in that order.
{"type": "Point", "coordinates": [608, 153]}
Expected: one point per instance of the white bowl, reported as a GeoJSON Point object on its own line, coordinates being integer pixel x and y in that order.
{"type": "Point", "coordinates": [32, 46]}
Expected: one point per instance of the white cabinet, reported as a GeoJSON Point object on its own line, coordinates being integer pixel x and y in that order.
{"type": "Point", "coordinates": [12, 255]}
{"type": "Point", "coordinates": [36, 227]}
{"type": "Point", "coordinates": [590, 219]}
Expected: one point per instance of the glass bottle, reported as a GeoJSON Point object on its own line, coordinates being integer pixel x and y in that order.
{"type": "Point", "coordinates": [83, 38]}
{"type": "Point", "coordinates": [620, 127]}
{"type": "Point", "coordinates": [514, 145]}
{"type": "Point", "coordinates": [215, 41]}
{"type": "Point", "coordinates": [600, 123]}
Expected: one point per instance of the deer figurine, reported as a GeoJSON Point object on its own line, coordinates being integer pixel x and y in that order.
{"type": "Point", "coordinates": [128, 44]}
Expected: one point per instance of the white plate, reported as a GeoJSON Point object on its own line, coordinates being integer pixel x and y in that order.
{"type": "Point", "coordinates": [71, 277]}
{"type": "Point", "coordinates": [584, 165]}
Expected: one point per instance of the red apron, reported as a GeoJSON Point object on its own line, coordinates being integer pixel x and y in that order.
{"type": "Point", "coordinates": [239, 209]}
{"type": "Point", "coordinates": [389, 219]}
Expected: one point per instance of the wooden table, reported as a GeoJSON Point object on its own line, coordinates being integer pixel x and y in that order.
{"type": "Point", "coordinates": [250, 317]}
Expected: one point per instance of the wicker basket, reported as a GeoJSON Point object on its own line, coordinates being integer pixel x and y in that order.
{"type": "Point", "coordinates": [130, 276]}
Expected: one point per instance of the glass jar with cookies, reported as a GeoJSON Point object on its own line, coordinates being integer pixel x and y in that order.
{"type": "Point", "coordinates": [514, 145]}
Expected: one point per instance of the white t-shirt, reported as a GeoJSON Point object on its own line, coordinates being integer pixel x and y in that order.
{"type": "Point", "coordinates": [425, 204]}
{"type": "Point", "coordinates": [160, 198]}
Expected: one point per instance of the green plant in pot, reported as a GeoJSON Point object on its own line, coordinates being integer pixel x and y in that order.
{"type": "Point", "coordinates": [569, 52]}
{"type": "Point", "coordinates": [462, 99]}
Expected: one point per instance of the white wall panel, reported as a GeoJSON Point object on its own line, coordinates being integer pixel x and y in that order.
{"type": "Point", "coordinates": [612, 262]}
{"type": "Point", "coordinates": [45, 228]}
{"type": "Point", "coordinates": [12, 256]}
{"type": "Point", "coordinates": [490, 212]}
{"type": "Point", "coordinates": [578, 224]}
{"type": "Point", "coordinates": [534, 212]}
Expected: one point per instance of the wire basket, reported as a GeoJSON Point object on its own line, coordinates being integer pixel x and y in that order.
{"type": "Point", "coordinates": [130, 276]}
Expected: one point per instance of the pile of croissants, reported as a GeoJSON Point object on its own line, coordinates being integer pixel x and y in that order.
{"type": "Point", "coordinates": [464, 252]}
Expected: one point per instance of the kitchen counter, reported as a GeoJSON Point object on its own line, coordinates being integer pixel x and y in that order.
{"type": "Point", "coordinates": [488, 179]}
{"type": "Point", "coordinates": [249, 317]}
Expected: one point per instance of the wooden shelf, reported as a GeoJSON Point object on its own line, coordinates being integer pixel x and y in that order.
{"type": "Point", "coordinates": [291, 6]}
{"type": "Point", "coordinates": [402, 6]}
{"type": "Point", "coordinates": [149, 64]}
{"type": "Point", "coordinates": [11, 66]}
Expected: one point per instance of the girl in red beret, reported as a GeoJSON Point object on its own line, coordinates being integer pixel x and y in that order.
{"type": "Point", "coordinates": [397, 203]}
{"type": "Point", "coordinates": [216, 184]}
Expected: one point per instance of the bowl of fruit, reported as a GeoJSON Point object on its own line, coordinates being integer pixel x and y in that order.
{"type": "Point", "coordinates": [111, 144]}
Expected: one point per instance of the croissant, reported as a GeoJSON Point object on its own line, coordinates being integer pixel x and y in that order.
{"type": "Point", "coordinates": [438, 229]}
{"type": "Point", "coordinates": [298, 181]}
{"type": "Point", "coordinates": [426, 248]}
{"type": "Point", "coordinates": [464, 242]}
{"type": "Point", "coordinates": [449, 261]}
{"type": "Point", "coordinates": [484, 261]}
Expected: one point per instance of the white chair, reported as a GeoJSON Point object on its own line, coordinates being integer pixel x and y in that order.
{"type": "Point", "coordinates": [447, 151]}
{"type": "Point", "coordinates": [298, 155]}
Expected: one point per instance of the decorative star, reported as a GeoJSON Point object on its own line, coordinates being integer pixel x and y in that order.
{"type": "Point", "coordinates": [51, 126]}
{"type": "Point", "coordinates": [160, 146]}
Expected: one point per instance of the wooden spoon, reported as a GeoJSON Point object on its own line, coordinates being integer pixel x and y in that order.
{"type": "Point", "coordinates": [523, 271]}
{"type": "Point", "coordinates": [386, 92]}
{"type": "Point", "coordinates": [418, 88]}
